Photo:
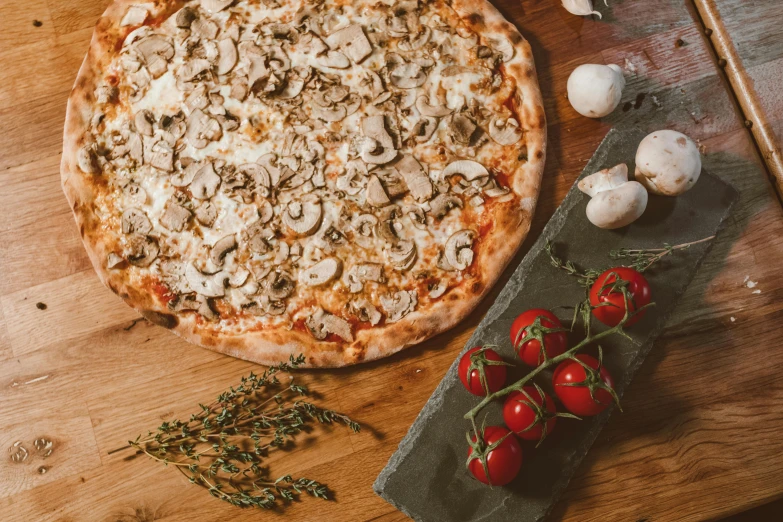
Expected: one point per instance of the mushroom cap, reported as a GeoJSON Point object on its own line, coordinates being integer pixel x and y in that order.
{"type": "Point", "coordinates": [221, 248]}
{"type": "Point", "coordinates": [205, 182]}
{"type": "Point", "coordinates": [617, 207]}
{"type": "Point", "coordinates": [668, 163]}
{"type": "Point", "coordinates": [303, 217]}
{"type": "Point", "coordinates": [228, 55]}
{"type": "Point", "coordinates": [458, 249]}
{"type": "Point", "coordinates": [595, 90]}
{"type": "Point", "coordinates": [352, 41]}
{"type": "Point", "coordinates": [322, 272]}
{"type": "Point", "coordinates": [468, 169]}
{"type": "Point", "coordinates": [605, 179]}
{"type": "Point", "coordinates": [505, 131]}
{"type": "Point", "coordinates": [208, 285]}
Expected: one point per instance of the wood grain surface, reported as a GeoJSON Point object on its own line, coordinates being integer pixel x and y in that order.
{"type": "Point", "coordinates": [80, 373]}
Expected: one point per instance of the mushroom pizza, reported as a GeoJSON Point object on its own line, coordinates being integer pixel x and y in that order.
{"type": "Point", "coordinates": [335, 178]}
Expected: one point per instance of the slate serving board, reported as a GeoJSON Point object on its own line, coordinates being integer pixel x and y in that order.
{"type": "Point", "coordinates": [426, 478]}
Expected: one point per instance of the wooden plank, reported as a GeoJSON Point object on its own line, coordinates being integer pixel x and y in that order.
{"type": "Point", "coordinates": [17, 23]}
{"type": "Point", "coordinates": [74, 15]}
{"type": "Point", "coordinates": [75, 306]}
{"type": "Point", "coordinates": [34, 190]}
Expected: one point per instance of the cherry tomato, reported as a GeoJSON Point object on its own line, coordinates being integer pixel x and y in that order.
{"type": "Point", "coordinates": [503, 461]}
{"type": "Point", "coordinates": [530, 351]}
{"type": "Point", "coordinates": [577, 399]}
{"type": "Point", "coordinates": [519, 414]}
{"type": "Point", "coordinates": [613, 311]}
{"type": "Point", "coordinates": [470, 375]}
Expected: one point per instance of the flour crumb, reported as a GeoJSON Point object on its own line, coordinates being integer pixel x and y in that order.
{"type": "Point", "coordinates": [733, 319]}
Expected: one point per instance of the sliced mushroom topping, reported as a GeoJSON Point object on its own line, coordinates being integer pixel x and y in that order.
{"type": "Point", "coordinates": [218, 252]}
{"type": "Point", "coordinates": [172, 128]}
{"type": "Point", "coordinates": [322, 272]}
{"type": "Point", "coordinates": [505, 131]}
{"type": "Point", "coordinates": [292, 89]}
{"type": "Point", "coordinates": [462, 128]}
{"type": "Point", "coordinates": [113, 260]}
{"type": "Point", "coordinates": [303, 217]}
{"type": "Point", "coordinates": [141, 250]}
{"type": "Point", "coordinates": [214, 6]}
{"type": "Point", "coordinates": [458, 251]}
{"type": "Point", "coordinates": [322, 323]}
{"type": "Point", "coordinates": [329, 114]}
{"type": "Point", "coordinates": [238, 278]}
{"type": "Point", "coordinates": [423, 130]}
{"type": "Point", "coordinates": [134, 195]}
{"type": "Point", "coordinates": [417, 180]}
{"type": "Point", "coordinates": [88, 160]}
{"type": "Point", "coordinates": [417, 217]}
{"type": "Point", "coordinates": [361, 273]}
{"type": "Point", "coordinates": [155, 51]}
{"type": "Point", "coordinates": [206, 214]}
{"type": "Point", "coordinates": [388, 228]}
{"type": "Point", "coordinates": [197, 99]}
{"type": "Point", "coordinates": [333, 59]}
{"type": "Point", "coordinates": [502, 45]}
{"type": "Point", "coordinates": [265, 211]}
{"type": "Point", "coordinates": [376, 195]}
{"type": "Point", "coordinates": [443, 203]}
{"type": "Point", "coordinates": [363, 226]}
{"type": "Point", "coordinates": [205, 183]}
{"type": "Point", "coordinates": [408, 76]}
{"type": "Point", "coordinates": [257, 237]}
{"type": "Point", "coordinates": [228, 56]}
{"type": "Point", "coordinates": [136, 15]}
{"type": "Point", "coordinates": [144, 121]}
{"type": "Point", "coordinates": [185, 17]}
{"type": "Point", "coordinates": [402, 254]}
{"type": "Point", "coordinates": [175, 217]}
{"type": "Point", "coordinates": [365, 311]}
{"type": "Point", "coordinates": [373, 82]}
{"type": "Point", "coordinates": [204, 28]}
{"type": "Point", "coordinates": [352, 41]}
{"type": "Point", "coordinates": [135, 221]}
{"type": "Point", "coordinates": [470, 170]}
{"type": "Point", "coordinates": [437, 290]}
{"type": "Point", "coordinates": [399, 304]}
{"type": "Point", "coordinates": [185, 177]}
{"type": "Point", "coordinates": [278, 285]}
{"type": "Point", "coordinates": [264, 306]}
{"type": "Point", "coordinates": [281, 253]}
{"type": "Point", "coordinates": [259, 177]}
{"type": "Point", "coordinates": [378, 146]}
{"type": "Point", "coordinates": [161, 156]}
{"type": "Point", "coordinates": [202, 129]}
{"type": "Point", "coordinates": [208, 285]}
{"type": "Point", "coordinates": [136, 148]}
{"type": "Point", "coordinates": [352, 180]}
{"type": "Point", "coordinates": [416, 41]}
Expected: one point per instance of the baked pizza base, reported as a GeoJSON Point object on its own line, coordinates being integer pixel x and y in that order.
{"type": "Point", "coordinates": [493, 251]}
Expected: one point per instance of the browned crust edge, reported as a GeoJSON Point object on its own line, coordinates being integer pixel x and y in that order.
{"type": "Point", "coordinates": [269, 347]}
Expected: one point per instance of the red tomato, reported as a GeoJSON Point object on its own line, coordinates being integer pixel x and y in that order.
{"type": "Point", "coordinates": [470, 375]}
{"type": "Point", "coordinates": [577, 399]}
{"type": "Point", "coordinates": [503, 461]}
{"type": "Point", "coordinates": [519, 414]}
{"type": "Point", "coordinates": [530, 351]}
{"type": "Point", "coordinates": [613, 312]}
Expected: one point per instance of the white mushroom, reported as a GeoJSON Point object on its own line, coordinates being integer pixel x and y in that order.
{"type": "Point", "coordinates": [595, 90]}
{"type": "Point", "coordinates": [352, 41]}
{"type": "Point", "coordinates": [376, 195]}
{"type": "Point", "coordinates": [88, 159]}
{"type": "Point", "coordinates": [355, 278]}
{"type": "Point", "coordinates": [416, 41]}
{"type": "Point", "coordinates": [438, 111]}
{"type": "Point", "coordinates": [214, 6]}
{"type": "Point", "coordinates": [228, 55]}
{"type": "Point", "coordinates": [417, 180]}
{"type": "Point", "coordinates": [365, 311]}
{"type": "Point", "coordinates": [206, 214]}
{"type": "Point", "coordinates": [221, 248]}
{"type": "Point", "coordinates": [443, 203]}
{"type": "Point", "coordinates": [136, 15]}
{"type": "Point", "coordinates": [175, 217]}
{"type": "Point", "coordinates": [185, 17]}
{"type": "Point", "coordinates": [135, 221]}
{"type": "Point", "coordinates": [616, 202]}
{"type": "Point", "coordinates": [208, 285]}
{"type": "Point", "coordinates": [402, 255]}
{"type": "Point", "coordinates": [322, 272]}
{"type": "Point", "coordinates": [144, 121]}
{"type": "Point", "coordinates": [378, 146]}
{"type": "Point", "coordinates": [334, 59]}
{"type": "Point", "coordinates": [278, 285]}
{"type": "Point", "coordinates": [303, 217]}
{"type": "Point", "coordinates": [581, 7]}
{"type": "Point", "coordinates": [459, 253]}
{"type": "Point", "coordinates": [399, 304]}
{"type": "Point", "coordinates": [202, 129]}
{"type": "Point", "coordinates": [113, 260]}
{"type": "Point", "coordinates": [205, 183]}
{"type": "Point", "coordinates": [322, 323]}
{"type": "Point", "coordinates": [407, 76]}
{"type": "Point", "coordinates": [423, 130]}
{"type": "Point", "coordinates": [438, 289]}
{"type": "Point", "coordinates": [470, 170]}
{"type": "Point", "coordinates": [502, 45]}
{"type": "Point", "coordinates": [141, 250]}
{"type": "Point", "coordinates": [667, 163]}
{"type": "Point", "coordinates": [505, 131]}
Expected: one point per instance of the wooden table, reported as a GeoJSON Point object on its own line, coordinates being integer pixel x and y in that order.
{"type": "Point", "coordinates": [700, 436]}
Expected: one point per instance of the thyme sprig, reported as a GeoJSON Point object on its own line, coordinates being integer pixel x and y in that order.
{"type": "Point", "coordinates": [643, 259]}
{"type": "Point", "coordinates": [223, 447]}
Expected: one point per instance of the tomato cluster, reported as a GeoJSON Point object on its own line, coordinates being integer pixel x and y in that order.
{"type": "Point", "coordinates": [581, 383]}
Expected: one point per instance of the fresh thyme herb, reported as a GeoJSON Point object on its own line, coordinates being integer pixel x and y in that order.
{"type": "Point", "coordinates": [222, 447]}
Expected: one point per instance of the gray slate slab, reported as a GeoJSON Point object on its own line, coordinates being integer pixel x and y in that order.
{"type": "Point", "coordinates": [426, 478]}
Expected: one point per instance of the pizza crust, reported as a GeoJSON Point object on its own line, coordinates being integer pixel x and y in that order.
{"type": "Point", "coordinates": [493, 253]}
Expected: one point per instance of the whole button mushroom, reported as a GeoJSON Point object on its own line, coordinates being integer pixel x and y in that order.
{"type": "Point", "coordinates": [616, 201]}
{"type": "Point", "coordinates": [668, 163]}
{"type": "Point", "coordinates": [595, 90]}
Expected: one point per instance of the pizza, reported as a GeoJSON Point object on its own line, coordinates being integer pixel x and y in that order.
{"type": "Point", "coordinates": [339, 179]}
